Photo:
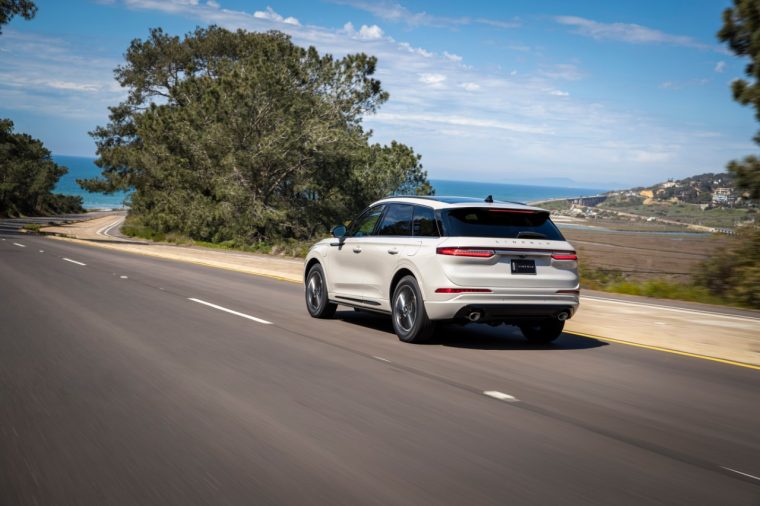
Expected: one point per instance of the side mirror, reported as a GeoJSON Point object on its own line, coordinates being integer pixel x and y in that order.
{"type": "Point", "coordinates": [339, 231]}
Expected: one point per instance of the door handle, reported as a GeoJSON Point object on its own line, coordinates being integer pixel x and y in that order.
{"type": "Point", "coordinates": [357, 249]}
{"type": "Point", "coordinates": [393, 251]}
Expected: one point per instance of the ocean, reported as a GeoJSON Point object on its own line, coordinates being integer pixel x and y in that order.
{"type": "Point", "coordinates": [84, 168]}
{"type": "Point", "coordinates": [509, 192]}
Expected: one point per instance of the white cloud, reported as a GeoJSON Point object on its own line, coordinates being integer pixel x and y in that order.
{"type": "Point", "coordinates": [365, 32]}
{"type": "Point", "coordinates": [271, 15]}
{"type": "Point", "coordinates": [559, 93]}
{"type": "Point", "coordinates": [720, 67]}
{"type": "Point", "coordinates": [416, 50]}
{"type": "Point", "coordinates": [68, 85]}
{"type": "Point", "coordinates": [452, 57]}
{"type": "Point", "coordinates": [470, 86]}
{"type": "Point", "coordinates": [213, 4]}
{"type": "Point", "coordinates": [627, 32]}
{"type": "Point", "coordinates": [433, 80]}
{"type": "Point", "coordinates": [392, 11]}
{"type": "Point", "coordinates": [563, 71]}
{"type": "Point", "coordinates": [370, 32]}
{"type": "Point", "coordinates": [458, 120]}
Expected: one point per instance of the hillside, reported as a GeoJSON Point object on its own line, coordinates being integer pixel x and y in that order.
{"type": "Point", "coordinates": [711, 189]}
{"type": "Point", "coordinates": [706, 202]}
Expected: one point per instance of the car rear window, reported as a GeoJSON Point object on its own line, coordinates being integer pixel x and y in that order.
{"type": "Point", "coordinates": [504, 223]}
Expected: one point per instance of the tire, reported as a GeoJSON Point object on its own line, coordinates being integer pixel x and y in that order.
{"type": "Point", "coordinates": [542, 332]}
{"type": "Point", "coordinates": [316, 294]}
{"type": "Point", "coordinates": [410, 321]}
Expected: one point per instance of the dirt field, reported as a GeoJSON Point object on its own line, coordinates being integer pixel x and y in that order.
{"type": "Point", "coordinates": [642, 256]}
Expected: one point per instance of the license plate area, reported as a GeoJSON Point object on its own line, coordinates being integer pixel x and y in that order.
{"type": "Point", "coordinates": [522, 266]}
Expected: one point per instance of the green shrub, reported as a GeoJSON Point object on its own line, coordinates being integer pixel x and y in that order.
{"type": "Point", "coordinates": [733, 272]}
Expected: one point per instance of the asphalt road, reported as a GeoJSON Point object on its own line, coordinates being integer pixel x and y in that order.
{"type": "Point", "coordinates": [127, 380]}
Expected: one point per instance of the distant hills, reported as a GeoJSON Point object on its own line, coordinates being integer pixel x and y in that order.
{"type": "Point", "coordinates": [709, 188]}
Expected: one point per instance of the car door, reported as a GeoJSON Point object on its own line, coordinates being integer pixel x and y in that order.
{"type": "Point", "coordinates": [349, 272]}
{"type": "Point", "coordinates": [392, 241]}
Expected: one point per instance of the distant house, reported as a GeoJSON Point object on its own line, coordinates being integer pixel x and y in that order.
{"type": "Point", "coordinates": [668, 184]}
{"type": "Point", "coordinates": [723, 196]}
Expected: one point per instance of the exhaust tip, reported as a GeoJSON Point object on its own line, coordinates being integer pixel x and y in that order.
{"type": "Point", "coordinates": [474, 316]}
{"type": "Point", "coordinates": [563, 316]}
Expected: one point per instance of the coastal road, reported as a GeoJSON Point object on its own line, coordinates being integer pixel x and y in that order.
{"type": "Point", "coordinates": [133, 380]}
{"type": "Point", "coordinates": [10, 226]}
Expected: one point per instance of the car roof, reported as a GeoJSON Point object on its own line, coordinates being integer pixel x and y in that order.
{"type": "Point", "coordinates": [453, 202]}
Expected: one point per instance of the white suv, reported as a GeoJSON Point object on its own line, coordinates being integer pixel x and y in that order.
{"type": "Point", "coordinates": [428, 259]}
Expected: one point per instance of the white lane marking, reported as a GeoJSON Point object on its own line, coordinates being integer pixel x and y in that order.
{"type": "Point", "coordinates": [739, 472]}
{"type": "Point", "coordinates": [42, 251]}
{"type": "Point", "coordinates": [107, 228]}
{"type": "Point", "coordinates": [19, 245]}
{"type": "Point", "coordinates": [668, 308]}
{"type": "Point", "coordinates": [123, 277]}
{"type": "Point", "coordinates": [500, 395]}
{"type": "Point", "coordinates": [73, 261]}
{"type": "Point", "coordinates": [236, 313]}
{"type": "Point", "coordinates": [381, 359]}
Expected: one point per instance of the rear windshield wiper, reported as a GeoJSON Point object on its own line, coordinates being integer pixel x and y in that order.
{"type": "Point", "coordinates": [530, 235]}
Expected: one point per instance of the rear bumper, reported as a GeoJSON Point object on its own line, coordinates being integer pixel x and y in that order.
{"type": "Point", "coordinates": [514, 312]}
{"type": "Point", "coordinates": [503, 309]}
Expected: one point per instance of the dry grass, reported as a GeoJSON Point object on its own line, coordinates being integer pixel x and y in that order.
{"type": "Point", "coordinates": [643, 257]}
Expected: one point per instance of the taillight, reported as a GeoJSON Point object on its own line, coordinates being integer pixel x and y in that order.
{"type": "Point", "coordinates": [463, 290]}
{"type": "Point", "coordinates": [466, 252]}
{"type": "Point", "coordinates": [564, 256]}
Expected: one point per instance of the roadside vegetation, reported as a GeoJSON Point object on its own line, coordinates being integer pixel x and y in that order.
{"type": "Point", "coordinates": [33, 227]}
{"type": "Point", "coordinates": [296, 248]}
{"type": "Point", "coordinates": [615, 281]}
{"type": "Point", "coordinates": [555, 205]}
{"type": "Point", "coordinates": [730, 276]}
{"type": "Point", "coordinates": [247, 139]}
{"type": "Point", "coordinates": [27, 177]}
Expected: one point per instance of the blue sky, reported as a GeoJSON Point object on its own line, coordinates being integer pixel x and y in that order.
{"type": "Point", "coordinates": [603, 93]}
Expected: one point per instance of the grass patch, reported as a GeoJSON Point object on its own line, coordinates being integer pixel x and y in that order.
{"type": "Point", "coordinates": [616, 282]}
{"type": "Point", "coordinates": [286, 247]}
{"type": "Point", "coordinates": [33, 227]}
{"type": "Point", "coordinates": [554, 205]}
{"type": "Point", "coordinates": [685, 213]}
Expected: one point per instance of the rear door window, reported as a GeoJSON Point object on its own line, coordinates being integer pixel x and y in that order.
{"type": "Point", "coordinates": [397, 220]}
{"type": "Point", "coordinates": [501, 223]}
{"type": "Point", "coordinates": [423, 224]}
